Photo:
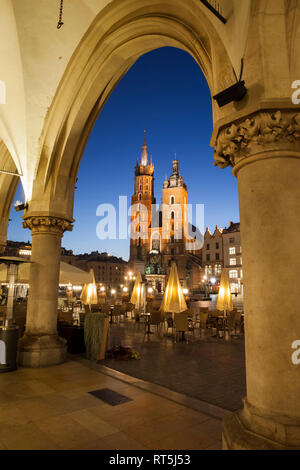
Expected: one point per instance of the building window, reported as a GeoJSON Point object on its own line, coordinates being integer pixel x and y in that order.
{"type": "Point", "coordinates": [140, 197]}
{"type": "Point", "coordinates": [217, 256]}
{"type": "Point", "coordinates": [172, 215]}
{"type": "Point", "coordinates": [231, 240]}
{"type": "Point", "coordinates": [172, 251]}
{"type": "Point", "coordinates": [208, 246]}
{"type": "Point", "coordinates": [217, 246]}
{"type": "Point", "coordinates": [233, 274]}
{"type": "Point", "coordinates": [218, 269]}
{"type": "Point", "coordinates": [232, 251]}
{"type": "Point", "coordinates": [234, 288]}
{"type": "Point", "coordinates": [172, 201]}
{"type": "Point", "coordinates": [207, 257]}
{"type": "Point", "coordinates": [232, 262]}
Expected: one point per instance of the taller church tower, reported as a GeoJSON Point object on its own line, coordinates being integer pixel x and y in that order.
{"type": "Point", "coordinates": [141, 203]}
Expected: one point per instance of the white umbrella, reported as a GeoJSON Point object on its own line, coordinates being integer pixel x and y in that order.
{"type": "Point", "coordinates": [68, 274]}
{"type": "Point", "coordinates": [138, 293]}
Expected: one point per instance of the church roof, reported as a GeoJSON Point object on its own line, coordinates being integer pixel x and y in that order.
{"type": "Point", "coordinates": [144, 156]}
{"type": "Point", "coordinates": [175, 179]}
{"type": "Point", "coordinates": [144, 167]}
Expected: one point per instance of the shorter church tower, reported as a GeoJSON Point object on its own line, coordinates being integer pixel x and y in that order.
{"type": "Point", "coordinates": [175, 213]}
{"type": "Point", "coordinates": [141, 204]}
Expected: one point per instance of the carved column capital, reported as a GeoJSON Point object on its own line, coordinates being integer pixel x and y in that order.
{"type": "Point", "coordinates": [260, 132]}
{"type": "Point", "coordinates": [47, 224]}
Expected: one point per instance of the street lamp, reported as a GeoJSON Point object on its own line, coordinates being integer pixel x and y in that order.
{"type": "Point", "coordinates": [213, 281]}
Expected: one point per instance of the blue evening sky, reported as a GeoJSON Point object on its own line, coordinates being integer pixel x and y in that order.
{"type": "Point", "coordinates": [166, 93]}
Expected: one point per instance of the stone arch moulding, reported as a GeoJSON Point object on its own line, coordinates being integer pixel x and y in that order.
{"type": "Point", "coordinates": [8, 187]}
{"type": "Point", "coordinates": [110, 47]}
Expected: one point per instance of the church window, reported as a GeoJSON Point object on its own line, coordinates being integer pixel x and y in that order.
{"type": "Point", "coordinates": [172, 200]}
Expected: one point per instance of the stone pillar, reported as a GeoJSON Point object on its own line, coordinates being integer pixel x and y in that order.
{"type": "Point", "coordinates": [264, 151]}
{"type": "Point", "coordinates": [40, 345]}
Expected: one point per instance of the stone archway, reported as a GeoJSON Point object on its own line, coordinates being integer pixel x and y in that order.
{"type": "Point", "coordinates": [98, 64]}
{"type": "Point", "coordinates": [259, 137]}
{"type": "Point", "coordinates": [119, 35]}
{"type": "Point", "coordinates": [8, 187]}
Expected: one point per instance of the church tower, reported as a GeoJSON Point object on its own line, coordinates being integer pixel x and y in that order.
{"type": "Point", "coordinates": [175, 213]}
{"type": "Point", "coordinates": [141, 203]}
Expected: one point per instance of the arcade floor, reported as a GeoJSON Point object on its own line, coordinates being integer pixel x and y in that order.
{"type": "Point", "coordinates": [52, 408]}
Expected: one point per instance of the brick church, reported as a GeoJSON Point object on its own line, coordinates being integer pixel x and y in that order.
{"type": "Point", "coordinates": [161, 234]}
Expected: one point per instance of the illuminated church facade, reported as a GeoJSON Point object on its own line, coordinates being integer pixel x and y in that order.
{"type": "Point", "coordinates": [160, 235]}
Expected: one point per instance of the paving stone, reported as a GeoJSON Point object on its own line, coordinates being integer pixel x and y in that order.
{"type": "Point", "coordinates": [210, 370]}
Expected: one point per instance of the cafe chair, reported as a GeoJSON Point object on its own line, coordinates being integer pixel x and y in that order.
{"type": "Point", "coordinates": [181, 324]}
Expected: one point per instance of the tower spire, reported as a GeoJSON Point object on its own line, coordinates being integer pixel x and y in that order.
{"type": "Point", "coordinates": [175, 165]}
{"type": "Point", "coordinates": [144, 157]}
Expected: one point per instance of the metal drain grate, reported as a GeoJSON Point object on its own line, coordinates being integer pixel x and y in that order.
{"type": "Point", "coordinates": [110, 396]}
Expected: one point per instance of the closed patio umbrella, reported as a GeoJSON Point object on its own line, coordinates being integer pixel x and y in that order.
{"type": "Point", "coordinates": [173, 299]}
{"type": "Point", "coordinates": [68, 274]}
{"type": "Point", "coordinates": [138, 293]}
{"type": "Point", "coordinates": [224, 302]}
{"type": "Point", "coordinates": [89, 294]}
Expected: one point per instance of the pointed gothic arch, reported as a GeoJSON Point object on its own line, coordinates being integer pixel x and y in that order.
{"type": "Point", "coordinates": [107, 51]}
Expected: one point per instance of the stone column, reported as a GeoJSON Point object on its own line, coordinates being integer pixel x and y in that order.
{"type": "Point", "coordinates": [40, 345]}
{"type": "Point", "coordinates": [264, 150]}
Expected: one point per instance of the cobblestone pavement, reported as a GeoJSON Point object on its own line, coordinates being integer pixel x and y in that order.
{"type": "Point", "coordinates": [210, 369]}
